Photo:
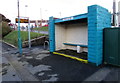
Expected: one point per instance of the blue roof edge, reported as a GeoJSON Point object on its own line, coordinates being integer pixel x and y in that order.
{"type": "Point", "coordinates": [76, 17]}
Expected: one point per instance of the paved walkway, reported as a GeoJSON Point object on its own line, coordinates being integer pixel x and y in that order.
{"type": "Point", "coordinates": [22, 72]}
{"type": "Point", "coordinates": [8, 71]}
{"type": "Point", "coordinates": [38, 65]}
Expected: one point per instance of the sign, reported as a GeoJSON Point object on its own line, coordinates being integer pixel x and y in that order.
{"type": "Point", "coordinates": [69, 18]}
{"type": "Point", "coordinates": [22, 20]}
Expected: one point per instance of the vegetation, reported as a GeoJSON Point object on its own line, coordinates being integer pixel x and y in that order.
{"type": "Point", "coordinates": [5, 29]}
{"type": "Point", "coordinates": [12, 37]}
{"type": "Point", "coordinates": [4, 19]}
{"type": "Point", "coordinates": [41, 29]}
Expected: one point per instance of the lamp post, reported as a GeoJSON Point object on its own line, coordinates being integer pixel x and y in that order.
{"type": "Point", "coordinates": [60, 14]}
{"type": "Point", "coordinates": [114, 13]}
{"type": "Point", "coordinates": [29, 33]}
{"type": "Point", "coordinates": [29, 40]}
{"type": "Point", "coordinates": [118, 13]}
{"type": "Point", "coordinates": [46, 13]}
{"type": "Point", "coordinates": [41, 17]}
{"type": "Point", "coordinates": [19, 37]}
{"type": "Point", "coordinates": [26, 10]}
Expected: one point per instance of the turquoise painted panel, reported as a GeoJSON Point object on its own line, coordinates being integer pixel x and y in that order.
{"type": "Point", "coordinates": [52, 34]}
{"type": "Point", "coordinates": [81, 16]}
{"type": "Point", "coordinates": [93, 55]}
{"type": "Point", "coordinates": [96, 24]}
{"type": "Point", "coordinates": [92, 43]}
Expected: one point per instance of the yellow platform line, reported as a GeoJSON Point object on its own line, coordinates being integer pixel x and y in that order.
{"type": "Point", "coordinates": [72, 57]}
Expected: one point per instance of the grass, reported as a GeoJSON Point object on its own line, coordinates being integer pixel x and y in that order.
{"type": "Point", "coordinates": [12, 37]}
{"type": "Point", "coordinates": [41, 29]}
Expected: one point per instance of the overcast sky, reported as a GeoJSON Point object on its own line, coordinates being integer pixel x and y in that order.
{"type": "Point", "coordinates": [56, 8]}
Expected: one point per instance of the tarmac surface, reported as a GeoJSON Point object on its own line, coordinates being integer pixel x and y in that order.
{"type": "Point", "coordinates": [38, 65]}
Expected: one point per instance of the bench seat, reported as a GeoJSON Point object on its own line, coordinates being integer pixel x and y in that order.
{"type": "Point", "coordinates": [75, 45]}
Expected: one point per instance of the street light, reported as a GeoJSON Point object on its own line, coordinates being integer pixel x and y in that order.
{"type": "Point", "coordinates": [28, 30]}
{"type": "Point", "coordinates": [43, 12]}
{"type": "Point", "coordinates": [60, 14]}
{"type": "Point", "coordinates": [19, 37]}
{"type": "Point", "coordinates": [41, 17]}
{"type": "Point", "coordinates": [26, 9]}
{"type": "Point", "coordinates": [114, 13]}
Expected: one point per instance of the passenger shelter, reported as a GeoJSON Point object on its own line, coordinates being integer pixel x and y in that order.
{"type": "Point", "coordinates": [80, 33]}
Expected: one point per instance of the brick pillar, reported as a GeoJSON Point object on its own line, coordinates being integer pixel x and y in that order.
{"type": "Point", "coordinates": [52, 34]}
{"type": "Point", "coordinates": [98, 19]}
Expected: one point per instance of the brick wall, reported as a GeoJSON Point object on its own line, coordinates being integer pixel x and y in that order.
{"type": "Point", "coordinates": [98, 19]}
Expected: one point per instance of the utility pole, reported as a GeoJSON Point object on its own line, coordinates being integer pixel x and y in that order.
{"type": "Point", "coordinates": [19, 36]}
{"type": "Point", "coordinates": [114, 13]}
{"type": "Point", "coordinates": [29, 33]}
{"type": "Point", "coordinates": [118, 13]}
{"type": "Point", "coordinates": [28, 29]}
{"type": "Point", "coordinates": [41, 17]}
{"type": "Point", "coordinates": [26, 10]}
{"type": "Point", "coordinates": [60, 14]}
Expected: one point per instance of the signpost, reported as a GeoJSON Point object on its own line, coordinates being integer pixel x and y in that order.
{"type": "Point", "coordinates": [18, 20]}
{"type": "Point", "coordinates": [25, 20]}
{"type": "Point", "coordinates": [19, 37]}
{"type": "Point", "coordinates": [22, 20]}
